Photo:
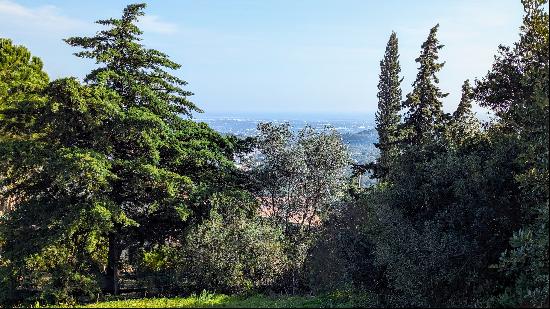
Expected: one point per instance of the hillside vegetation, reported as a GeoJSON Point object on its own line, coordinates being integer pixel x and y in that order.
{"type": "Point", "coordinates": [110, 191]}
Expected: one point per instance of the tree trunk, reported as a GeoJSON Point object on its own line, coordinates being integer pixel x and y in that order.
{"type": "Point", "coordinates": [113, 261]}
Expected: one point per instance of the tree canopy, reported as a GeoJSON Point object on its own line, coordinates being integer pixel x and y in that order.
{"type": "Point", "coordinates": [425, 118]}
{"type": "Point", "coordinates": [108, 188]}
{"type": "Point", "coordinates": [116, 150]}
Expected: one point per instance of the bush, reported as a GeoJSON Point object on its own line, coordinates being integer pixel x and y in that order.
{"type": "Point", "coordinates": [342, 257]}
{"type": "Point", "coordinates": [443, 221]}
{"type": "Point", "coordinates": [62, 264]}
{"type": "Point", "coordinates": [233, 251]}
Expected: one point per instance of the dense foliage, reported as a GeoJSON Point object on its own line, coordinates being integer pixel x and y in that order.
{"type": "Point", "coordinates": [102, 170]}
{"type": "Point", "coordinates": [389, 106]}
{"type": "Point", "coordinates": [425, 119]}
{"type": "Point", "coordinates": [460, 220]}
{"type": "Point", "coordinates": [298, 179]}
{"type": "Point", "coordinates": [108, 188]}
{"type": "Point", "coordinates": [233, 251]}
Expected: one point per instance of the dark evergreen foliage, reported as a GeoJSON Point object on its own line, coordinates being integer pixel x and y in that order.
{"type": "Point", "coordinates": [107, 169]}
{"type": "Point", "coordinates": [107, 182]}
{"type": "Point", "coordinates": [463, 124]}
{"type": "Point", "coordinates": [424, 121]}
{"type": "Point", "coordinates": [389, 106]}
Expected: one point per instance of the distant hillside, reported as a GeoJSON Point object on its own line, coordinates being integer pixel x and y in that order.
{"type": "Point", "coordinates": [361, 145]}
{"type": "Point", "coordinates": [368, 136]}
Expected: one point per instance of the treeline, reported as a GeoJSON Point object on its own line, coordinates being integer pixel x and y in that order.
{"type": "Point", "coordinates": [460, 214]}
{"type": "Point", "coordinates": [112, 189]}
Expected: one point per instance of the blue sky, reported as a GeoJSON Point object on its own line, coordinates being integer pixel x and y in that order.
{"type": "Point", "coordinates": [294, 56]}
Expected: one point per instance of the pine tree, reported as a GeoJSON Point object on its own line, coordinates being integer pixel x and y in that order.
{"type": "Point", "coordinates": [155, 170]}
{"type": "Point", "coordinates": [424, 120]}
{"type": "Point", "coordinates": [463, 123]}
{"type": "Point", "coordinates": [21, 80]}
{"type": "Point", "coordinates": [109, 166]}
{"type": "Point", "coordinates": [137, 74]}
{"type": "Point", "coordinates": [389, 105]}
{"type": "Point", "coordinates": [464, 109]}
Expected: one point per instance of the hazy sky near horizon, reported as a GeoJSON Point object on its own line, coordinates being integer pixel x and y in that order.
{"type": "Point", "coordinates": [294, 56]}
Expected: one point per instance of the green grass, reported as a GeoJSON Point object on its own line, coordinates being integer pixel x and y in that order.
{"type": "Point", "coordinates": [208, 300]}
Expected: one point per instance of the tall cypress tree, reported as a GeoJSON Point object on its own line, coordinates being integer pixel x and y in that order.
{"type": "Point", "coordinates": [389, 105]}
{"type": "Point", "coordinates": [425, 118]}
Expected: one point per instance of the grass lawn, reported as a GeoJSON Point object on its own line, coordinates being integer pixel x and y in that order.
{"type": "Point", "coordinates": [207, 300]}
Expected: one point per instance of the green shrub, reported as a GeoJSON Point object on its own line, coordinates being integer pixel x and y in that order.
{"type": "Point", "coordinates": [233, 251]}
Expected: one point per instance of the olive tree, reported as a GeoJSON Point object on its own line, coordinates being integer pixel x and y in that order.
{"type": "Point", "coordinates": [298, 177]}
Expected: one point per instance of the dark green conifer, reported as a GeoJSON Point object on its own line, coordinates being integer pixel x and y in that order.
{"type": "Point", "coordinates": [389, 105]}
{"type": "Point", "coordinates": [111, 161]}
{"type": "Point", "coordinates": [158, 171]}
{"type": "Point", "coordinates": [463, 122]}
{"type": "Point", "coordinates": [425, 119]}
{"type": "Point", "coordinates": [139, 75]}
{"type": "Point", "coordinates": [464, 108]}
{"type": "Point", "coordinates": [517, 89]}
